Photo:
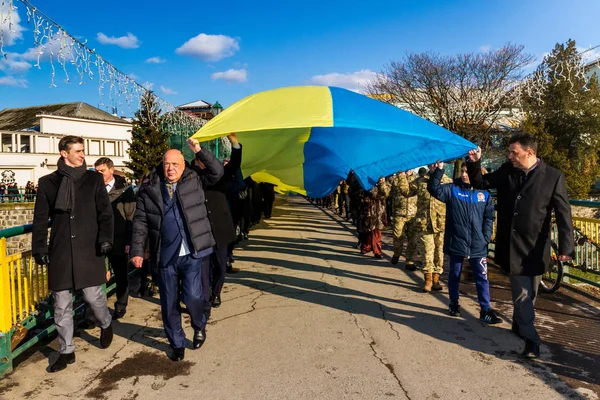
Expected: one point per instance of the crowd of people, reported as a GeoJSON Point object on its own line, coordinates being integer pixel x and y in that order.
{"type": "Point", "coordinates": [183, 220]}
{"type": "Point", "coordinates": [432, 215]}
{"type": "Point", "coordinates": [10, 192]}
{"type": "Point", "coordinates": [179, 226]}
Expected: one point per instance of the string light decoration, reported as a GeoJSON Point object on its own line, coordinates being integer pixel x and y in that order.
{"type": "Point", "coordinates": [63, 51]}
{"type": "Point", "coordinates": [533, 86]}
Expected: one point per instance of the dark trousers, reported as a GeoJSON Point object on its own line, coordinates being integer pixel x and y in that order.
{"type": "Point", "coordinates": [119, 265]}
{"type": "Point", "coordinates": [218, 267]}
{"type": "Point", "coordinates": [206, 272]}
{"type": "Point", "coordinates": [524, 292]}
{"type": "Point", "coordinates": [479, 268]}
{"type": "Point", "coordinates": [188, 271]}
{"type": "Point", "coordinates": [268, 207]}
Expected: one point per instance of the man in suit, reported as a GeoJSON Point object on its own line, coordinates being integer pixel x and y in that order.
{"type": "Point", "coordinates": [122, 198]}
{"type": "Point", "coordinates": [172, 215]}
{"type": "Point", "coordinates": [528, 191]}
{"type": "Point", "coordinates": [81, 234]}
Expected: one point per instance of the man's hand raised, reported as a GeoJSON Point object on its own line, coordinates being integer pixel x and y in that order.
{"type": "Point", "coordinates": [194, 145]}
{"type": "Point", "coordinates": [475, 154]}
{"type": "Point", "coordinates": [233, 139]}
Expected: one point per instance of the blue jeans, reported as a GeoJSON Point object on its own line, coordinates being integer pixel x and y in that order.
{"type": "Point", "coordinates": [188, 271]}
{"type": "Point", "coordinates": [479, 268]}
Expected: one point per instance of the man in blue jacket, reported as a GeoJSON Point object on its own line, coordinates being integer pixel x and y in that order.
{"type": "Point", "coordinates": [469, 222]}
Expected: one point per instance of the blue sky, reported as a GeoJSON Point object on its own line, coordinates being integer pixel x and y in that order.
{"type": "Point", "coordinates": [227, 50]}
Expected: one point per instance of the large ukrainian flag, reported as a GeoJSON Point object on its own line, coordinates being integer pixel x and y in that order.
{"type": "Point", "coordinates": [307, 138]}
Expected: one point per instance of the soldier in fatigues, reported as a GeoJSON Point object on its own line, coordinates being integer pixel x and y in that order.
{"type": "Point", "coordinates": [430, 221]}
{"type": "Point", "coordinates": [403, 213]}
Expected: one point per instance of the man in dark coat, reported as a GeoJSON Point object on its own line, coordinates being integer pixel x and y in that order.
{"type": "Point", "coordinates": [123, 199]}
{"type": "Point", "coordinates": [76, 202]}
{"type": "Point", "coordinates": [171, 213]}
{"type": "Point", "coordinates": [222, 226]}
{"type": "Point", "coordinates": [528, 191]}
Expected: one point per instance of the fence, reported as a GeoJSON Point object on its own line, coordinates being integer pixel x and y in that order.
{"type": "Point", "coordinates": [17, 195]}
{"type": "Point", "coordinates": [25, 303]}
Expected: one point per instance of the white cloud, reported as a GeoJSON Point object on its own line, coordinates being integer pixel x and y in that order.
{"type": "Point", "coordinates": [156, 60]}
{"type": "Point", "coordinates": [133, 76]}
{"type": "Point", "coordinates": [231, 75]}
{"type": "Point", "coordinates": [209, 47]}
{"type": "Point", "coordinates": [126, 42]}
{"type": "Point", "coordinates": [167, 91]}
{"type": "Point", "coordinates": [353, 81]}
{"type": "Point", "coordinates": [10, 24]}
{"type": "Point", "coordinates": [12, 64]}
{"type": "Point", "coordinates": [485, 48]}
{"type": "Point", "coordinates": [12, 81]}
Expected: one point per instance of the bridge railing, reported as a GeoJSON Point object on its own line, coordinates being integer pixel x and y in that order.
{"type": "Point", "coordinates": [25, 301]}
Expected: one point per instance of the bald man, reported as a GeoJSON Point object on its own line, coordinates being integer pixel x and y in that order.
{"type": "Point", "coordinates": [172, 215]}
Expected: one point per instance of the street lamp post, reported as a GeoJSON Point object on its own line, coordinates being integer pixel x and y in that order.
{"type": "Point", "coordinates": [216, 110]}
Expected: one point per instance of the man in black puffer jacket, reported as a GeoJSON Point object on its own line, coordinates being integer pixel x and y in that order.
{"type": "Point", "coordinates": [172, 214]}
{"type": "Point", "coordinates": [469, 222]}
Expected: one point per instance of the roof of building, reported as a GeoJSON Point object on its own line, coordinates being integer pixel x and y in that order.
{"type": "Point", "coordinates": [196, 104]}
{"type": "Point", "coordinates": [17, 119]}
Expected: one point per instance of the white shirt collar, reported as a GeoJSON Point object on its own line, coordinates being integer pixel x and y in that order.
{"type": "Point", "coordinates": [110, 185]}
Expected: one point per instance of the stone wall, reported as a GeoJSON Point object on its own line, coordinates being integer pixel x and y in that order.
{"type": "Point", "coordinates": [15, 214]}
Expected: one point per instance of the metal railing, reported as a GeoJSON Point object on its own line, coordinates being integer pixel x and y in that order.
{"type": "Point", "coordinates": [22, 195]}
{"type": "Point", "coordinates": [25, 301]}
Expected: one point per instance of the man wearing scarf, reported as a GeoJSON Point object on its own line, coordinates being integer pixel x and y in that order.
{"type": "Point", "coordinates": [81, 234]}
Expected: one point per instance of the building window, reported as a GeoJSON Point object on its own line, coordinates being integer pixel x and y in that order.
{"type": "Point", "coordinates": [25, 144]}
{"type": "Point", "coordinates": [7, 142]}
{"type": "Point", "coordinates": [110, 148]}
{"type": "Point", "coordinates": [94, 149]}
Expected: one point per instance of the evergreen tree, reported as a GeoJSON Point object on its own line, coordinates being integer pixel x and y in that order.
{"type": "Point", "coordinates": [149, 139]}
{"type": "Point", "coordinates": [566, 118]}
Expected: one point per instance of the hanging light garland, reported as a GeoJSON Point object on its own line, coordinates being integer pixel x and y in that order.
{"type": "Point", "coordinates": [534, 85]}
{"type": "Point", "coordinates": [55, 45]}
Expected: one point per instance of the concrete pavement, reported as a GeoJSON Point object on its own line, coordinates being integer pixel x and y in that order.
{"type": "Point", "coordinates": [307, 317]}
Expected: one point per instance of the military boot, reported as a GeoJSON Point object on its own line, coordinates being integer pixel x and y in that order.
{"type": "Point", "coordinates": [428, 282]}
{"type": "Point", "coordinates": [436, 282]}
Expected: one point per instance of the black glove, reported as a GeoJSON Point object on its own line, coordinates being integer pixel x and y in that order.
{"type": "Point", "coordinates": [42, 259]}
{"type": "Point", "coordinates": [105, 248]}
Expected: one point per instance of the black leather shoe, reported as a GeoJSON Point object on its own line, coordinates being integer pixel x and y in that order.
{"type": "Point", "coordinates": [118, 314]}
{"type": "Point", "coordinates": [216, 301]}
{"type": "Point", "coordinates": [395, 260]}
{"type": "Point", "coordinates": [229, 269]}
{"type": "Point", "coordinates": [177, 354]}
{"type": "Point", "coordinates": [61, 362]}
{"type": "Point", "coordinates": [106, 336]}
{"type": "Point", "coordinates": [199, 338]}
{"type": "Point", "coordinates": [532, 350]}
{"type": "Point", "coordinates": [410, 267]}
{"type": "Point", "coordinates": [378, 256]}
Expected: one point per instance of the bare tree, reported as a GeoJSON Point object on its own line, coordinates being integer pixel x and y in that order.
{"type": "Point", "coordinates": [467, 93]}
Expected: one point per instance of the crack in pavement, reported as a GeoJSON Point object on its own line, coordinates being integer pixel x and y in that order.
{"type": "Point", "coordinates": [364, 331]}
{"type": "Point", "coordinates": [253, 305]}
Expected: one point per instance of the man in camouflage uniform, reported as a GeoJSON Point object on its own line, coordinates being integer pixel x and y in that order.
{"type": "Point", "coordinates": [403, 214]}
{"type": "Point", "coordinates": [430, 220]}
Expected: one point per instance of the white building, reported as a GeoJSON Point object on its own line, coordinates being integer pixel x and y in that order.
{"type": "Point", "coordinates": [30, 136]}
